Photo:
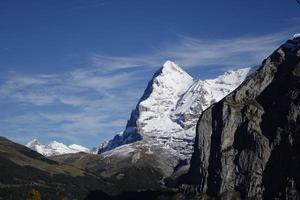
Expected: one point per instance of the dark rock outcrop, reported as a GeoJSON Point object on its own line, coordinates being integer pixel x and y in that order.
{"type": "Point", "coordinates": [248, 144]}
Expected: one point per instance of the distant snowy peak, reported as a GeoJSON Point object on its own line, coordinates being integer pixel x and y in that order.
{"type": "Point", "coordinates": [169, 109]}
{"type": "Point", "coordinates": [55, 148]}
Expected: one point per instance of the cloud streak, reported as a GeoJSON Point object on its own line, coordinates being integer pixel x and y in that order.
{"type": "Point", "coordinates": [235, 52]}
{"type": "Point", "coordinates": [83, 102]}
{"type": "Point", "coordinates": [193, 52]}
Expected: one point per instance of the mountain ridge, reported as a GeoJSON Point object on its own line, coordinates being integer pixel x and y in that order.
{"type": "Point", "coordinates": [55, 148]}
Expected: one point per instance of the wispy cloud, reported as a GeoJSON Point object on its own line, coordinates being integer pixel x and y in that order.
{"type": "Point", "coordinates": [242, 51]}
{"type": "Point", "coordinates": [79, 103]}
{"type": "Point", "coordinates": [97, 100]}
{"type": "Point", "coordinates": [193, 52]}
{"type": "Point", "coordinates": [110, 63]}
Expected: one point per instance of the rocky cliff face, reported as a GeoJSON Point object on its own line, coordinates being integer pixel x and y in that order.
{"type": "Point", "coordinates": [169, 109]}
{"type": "Point", "coordinates": [248, 144]}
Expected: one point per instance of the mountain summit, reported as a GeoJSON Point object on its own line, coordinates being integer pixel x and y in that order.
{"type": "Point", "coordinates": [168, 111]}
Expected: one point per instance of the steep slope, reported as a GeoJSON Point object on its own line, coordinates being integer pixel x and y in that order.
{"type": "Point", "coordinates": [170, 106]}
{"type": "Point", "coordinates": [248, 144]}
{"type": "Point", "coordinates": [22, 170]}
{"type": "Point", "coordinates": [55, 148]}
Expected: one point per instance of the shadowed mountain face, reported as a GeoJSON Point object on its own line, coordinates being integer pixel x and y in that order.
{"type": "Point", "coordinates": [248, 144]}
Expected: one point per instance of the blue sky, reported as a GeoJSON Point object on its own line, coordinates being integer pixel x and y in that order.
{"type": "Point", "coordinates": [72, 70]}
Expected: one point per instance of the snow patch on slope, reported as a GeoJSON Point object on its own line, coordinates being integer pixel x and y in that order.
{"type": "Point", "coordinates": [79, 148]}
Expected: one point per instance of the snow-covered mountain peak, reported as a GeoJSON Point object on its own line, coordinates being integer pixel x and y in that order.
{"type": "Point", "coordinates": [171, 67]}
{"type": "Point", "coordinates": [162, 93]}
{"type": "Point", "coordinates": [169, 77]}
{"type": "Point", "coordinates": [55, 148]}
{"type": "Point", "coordinates": [169, 109]}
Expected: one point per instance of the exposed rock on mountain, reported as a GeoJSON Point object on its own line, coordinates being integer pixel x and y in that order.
{"type": "Point", "coordinates": [55, 148]}
{"type": "Point", "coordinates": [248, 144]}
{"type": "Point", "coordinates": [167, 113]}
